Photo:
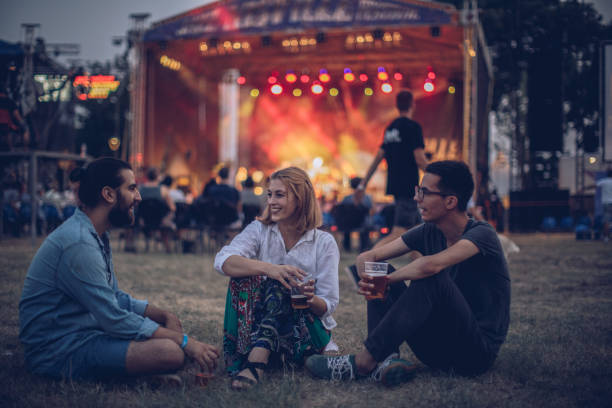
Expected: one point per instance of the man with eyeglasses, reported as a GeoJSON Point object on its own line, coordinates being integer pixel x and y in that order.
{"type": "Point", "coordinates": [454, 315]}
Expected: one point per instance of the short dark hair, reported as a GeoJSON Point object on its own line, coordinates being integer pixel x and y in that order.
{"type": "Point", "coordinates": [455, 179]}
{"type": "Point", "coordinates": [167, 181]}
{"type": "Point", "coordinates": [355, 181]}
{"type": "Point", "coordinates": [249, 183]}
{"type": "Point", "coordinates": [403, 101]}
{"type": "Point", "coordinates": [152, 174]}
{"type": "Point", "coordinates": [100, 173]}
{"type": "Point", "coordinates": [224, 173]}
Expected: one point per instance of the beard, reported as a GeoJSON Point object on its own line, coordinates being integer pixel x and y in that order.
{"type": "Point", "coordinates": [120, 215]}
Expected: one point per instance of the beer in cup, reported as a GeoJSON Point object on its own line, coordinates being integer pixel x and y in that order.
{"type": "Point", "coordinates": [377, 274]}
{"type": "Point", "coordinates": [298, 299]}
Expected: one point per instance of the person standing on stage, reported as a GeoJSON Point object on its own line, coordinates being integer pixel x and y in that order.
{"type": "Point", "coordinates": [403, 148]}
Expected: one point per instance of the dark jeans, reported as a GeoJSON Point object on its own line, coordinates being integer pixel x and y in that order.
{"type": "Point", "coordinates": [433, 317]}
{"type": "Point", "coordinates": [364, 240]}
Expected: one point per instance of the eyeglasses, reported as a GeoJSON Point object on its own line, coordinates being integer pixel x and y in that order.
{"type": "Point", "coordinates": [421, 192]}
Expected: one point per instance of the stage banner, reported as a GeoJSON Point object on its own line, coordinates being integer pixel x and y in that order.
{"type": "Point", "coordinates": [263, 16]}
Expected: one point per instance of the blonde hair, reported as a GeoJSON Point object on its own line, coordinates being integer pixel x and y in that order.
{"type": "Point", "coordinates": [306, 207]}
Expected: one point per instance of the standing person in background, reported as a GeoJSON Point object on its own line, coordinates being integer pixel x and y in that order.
{"type": "Point", "coordinates": [403, 149]}
{"type": "Point", "coordinates": [363, 202]}
{"type": "Point", "coordinates": [10, 121]}
{"type": "Point", "coordinates": [605, 185]}
{"type": "Point", "coordinates": [75, 323]}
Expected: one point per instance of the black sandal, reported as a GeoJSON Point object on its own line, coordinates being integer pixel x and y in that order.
{"type": "Point", "coordinates": [252, 367]}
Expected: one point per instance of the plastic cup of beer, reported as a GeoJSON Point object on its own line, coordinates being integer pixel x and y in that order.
{"type": "Point", "coordinates": [298, 299]}
{"type": "Point", "coordinates": [377, 273]}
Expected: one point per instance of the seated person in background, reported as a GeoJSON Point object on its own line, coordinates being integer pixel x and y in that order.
{"type": "Point", "coordinates": [252, 204]}
{"type": "Point", "coordinates": [152, 189]}
{"type": "Point", "coordinates": [225, 193]}
{"type": "Point", "coordinates": [264, 261]}
{"type": "Point", "coordinates": [74, 321]}
{"type": "Point", "coordinates": [363, 202]}
{"type": "Point", "coordinates": [454, 315]}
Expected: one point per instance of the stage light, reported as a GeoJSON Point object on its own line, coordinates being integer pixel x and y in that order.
{"type": "Point", "coordinates": [592, 159]}
{"type": "Point", "coordinates": [360, 39]}
{"type": "Point", "coordinates": [114, 143]}
{"type": "Point", "coordinates": [272, 79]}
{"type": "Point", "coordinates": [384, 230]}
{"type": "Point", "coordinates": [254, 92]}
{"type": "Point", "coordinates": [429, 87]}
{"type": "Point", "coordinates": [304, 78]}
{"type": "Point", "coordinates": [290, 77]}
{"type": "Point", "coordinates": [368, 91]}
{"type": "Point", "coordinates": [363, 77]}
{"type": "Point", "coordinates": [276, 89]}
{"type": "Point", "coordinates": [324, 76]}
{"type": "Point", "coordinates": [317, 162]}
{"type": "Point", "coordinates": [398, 76]}
{"type": "Point", "coordinates": [348, 75]}
{"type": "Point", "coordinates": [297, 92]}
{"type": "Point", "coordinates": [382, 74]}
{"type": "Point", "coordinates": [333, 92]}
{"type": "Point", "coordinates": [316, 88]}
{"type": "Point", "coordinates": [241, 80]}
{"type": "Point", "coordinates": [451, 89]}
{"type": "Point", "coordinates": [431, 75]}
{"type": "Point", "coordinates": [237, 45]}
{"type": "Point", "coordinates": [258, 176]}
{"type": "Point", "coordinates": [386, 88]}
{"type": "Point", "coordinates": [258, 190]}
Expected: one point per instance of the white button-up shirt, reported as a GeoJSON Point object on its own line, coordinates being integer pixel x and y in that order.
{"type": "Point", "coordinates": [316, 253]}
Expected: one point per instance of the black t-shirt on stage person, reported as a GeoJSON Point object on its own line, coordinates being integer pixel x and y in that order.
{"type": "Point", "coordinates": [483, 279]}
{"type": "Point", "coordinates": [401, 138]}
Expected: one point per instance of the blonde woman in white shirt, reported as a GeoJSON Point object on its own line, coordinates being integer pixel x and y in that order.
{"type": "Point", "coordinates": [269, 257]}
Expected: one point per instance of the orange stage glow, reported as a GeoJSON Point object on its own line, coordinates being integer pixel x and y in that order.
{"type": "Point", "coordinates": [349, 77]}
{"type": "Point", "coordinates": [383, 76]}
{"type": "Point", "coordinates": [324, 77]}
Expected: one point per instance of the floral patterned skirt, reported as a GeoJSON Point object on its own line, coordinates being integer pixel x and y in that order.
{"type": "Point", "coordinates": [258, 313]}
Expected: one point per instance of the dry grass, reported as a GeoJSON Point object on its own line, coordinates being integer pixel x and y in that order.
{"type": "Point", "coordinates": [558, 351]}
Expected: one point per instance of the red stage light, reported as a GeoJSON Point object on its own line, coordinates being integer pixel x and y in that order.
{"type": "Point", "coordinates": [334, 228]}
{"type": "Point", "coordinates": [398, 76]}
{"type": "Point", "coordinates": [304, 78]}
{"type": "Point", "coordinates": [349, 77]}
{"type": "Point", "coordinates": [431, 75]}
{"type": "Point", "coordinates": [383, 76]}
{"type": "Point", "coordinates": [290, 77]}
{"type": "Point", "coordinates": [316, 88]}
{"type": "Point", "coordinates": [272, 79]}
{"type": "Point", "coordinates": [363, 77]}
{"type": "Point", "coordinates": [384, 230]}
{"type": "Point", "coordinates": [386, 88]}
{"type": "Point", "coordinates": [241, 80]}
{"type": "Point", "coordinates": [276, 89]}
{"type": "Point", "coordinates": [429, 87]}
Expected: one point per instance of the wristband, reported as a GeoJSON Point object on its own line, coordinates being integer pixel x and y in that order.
{"type": "Point", "coordinates": [185, 340]}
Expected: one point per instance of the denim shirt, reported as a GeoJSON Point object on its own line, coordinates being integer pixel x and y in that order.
{"type": "Point", "coordinates": [70, 296]}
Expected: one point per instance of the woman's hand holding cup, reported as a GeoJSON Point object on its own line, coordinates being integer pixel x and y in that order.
{"type": "Point", "coordinates": [288, 275]}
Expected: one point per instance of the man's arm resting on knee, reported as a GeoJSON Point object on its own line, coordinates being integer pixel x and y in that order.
{"type": "Point", "coordinates": [393, 249]}
{"type": "Point", "coordinates": [167, 319]}
{"type": "Point", "coordinates": [429, 265]}
{"type": "Point", "coordinates": [205, 354]}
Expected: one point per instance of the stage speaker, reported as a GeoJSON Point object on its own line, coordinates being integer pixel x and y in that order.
{"type": "Point", "coordinates": [544, 114]}
{"type": "Point", "coordinates": [528, 208]}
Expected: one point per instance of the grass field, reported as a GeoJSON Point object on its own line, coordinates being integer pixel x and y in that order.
{"type": "Point", "coordinates": [558, 351]}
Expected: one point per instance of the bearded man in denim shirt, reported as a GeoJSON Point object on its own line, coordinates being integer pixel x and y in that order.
{"type": "Point", "coordinates": [74, 321]}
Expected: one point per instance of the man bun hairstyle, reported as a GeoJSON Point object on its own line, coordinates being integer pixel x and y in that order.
{"type": "Point", "coordinates": [403, 101]}
{"type": "Point", "coordinates": [455, 179]}
{"type": "Point", "coordinates": [100, 173]}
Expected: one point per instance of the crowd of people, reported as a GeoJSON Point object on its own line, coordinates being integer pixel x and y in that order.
{"type": "Point", "coordinates": [450, 304]}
